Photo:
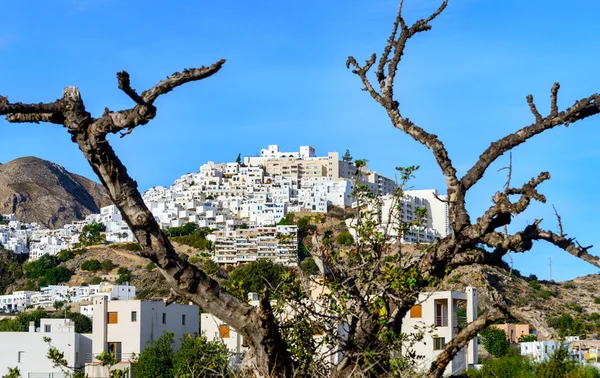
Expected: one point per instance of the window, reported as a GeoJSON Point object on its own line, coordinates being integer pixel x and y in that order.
{"type": "Point", "coordinates": [21, 356]}
{"type": "Point", "coordinates": [439, 343]}
{"type": "Point", "coordinates": [164, 318]}
{"type": "Point", "coordinates": [114, 348]}
{"type": "Point", "coordinates": [182, 319]}
{"type": "Point", "coordinates": [47, 328]}
{"type": "Point", "coordinates": [416, 311]}
{"type": "Point", "coordinates": [133, 316]}
{"type": "Point", "coordinates": [113, 318]}
{"type": "Point", "coordinates": [224, 331]}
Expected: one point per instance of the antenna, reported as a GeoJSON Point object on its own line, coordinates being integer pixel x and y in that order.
{"type": "Point", "coordinates": [550, 268]}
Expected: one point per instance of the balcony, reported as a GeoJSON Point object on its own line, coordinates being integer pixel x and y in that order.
{"type": "Point", "coordinates": [121, 357]}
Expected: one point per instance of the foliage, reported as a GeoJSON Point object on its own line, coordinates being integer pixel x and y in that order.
{"type": "Point", "coordinates": [198, 242]}
{"type": "Point", "coordinates": [95, 280]}
{"type": "Point", "coordinates": [304, 225]}
{"type": "Point", "coordinates": [11, 269]}
{"type": "Point", "coordinates": [512, 365]}
{"type": "Point", "coordinates": [287, 220]}
{"type": "Point", "coordinates": [131, 246]}
{"type": "Point", "coordinates": [198, 357]}
{"type": "Point", "coordinates": [597, 300]}
{"type": "Point", "coordinates": [156, 360]}
{"type": "Point", "coordinates": [107, 265]}
{"type": "Point", "coordinates": [566, 325]}
{"type": "Point", "coordinates": [309, 267]}
{"type": "Point", "coordinates": [20, 323]}
{"type": "Point", "coordinates": [40, 267]}
{"type": "Point", "coordinates": [255, 277]}
{"type": "Point", "coordinates": [527, 338]}
{"type": "Point", "coordinates": [56, 276]}
{"type": "Point", "coordinates": [189, 228]}
{"type": "Point", "coordinates": [495, 341]}
{"type": "Point", "coordinates": [91, 234]}
{"type": "Point", "coordinates": [13, 373]}
{"type": "Point", "coordinates": [150, 266]}
{"type": "Point", "coordinates": [66, 255]}
{"type": "Point", "coordinates": [347, 157]}
{"type": "Point", "coordinates": [124, 275]}
{"type": "Point", "coordinates": [91, 265]}
{"type": "Point", "coordinates": [344, 238]}
{"type": "Point", "coordinates": [569, 286]}
{"type": "Point", "coordinates": [535, 285]}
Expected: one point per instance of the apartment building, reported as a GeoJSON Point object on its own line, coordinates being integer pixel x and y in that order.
{"type": "Point", "coordinates": [279, 243]}
{"type": "Point", "coordinates": [439, 311]}
{"type": "Point", "coordinates": [125, 327]}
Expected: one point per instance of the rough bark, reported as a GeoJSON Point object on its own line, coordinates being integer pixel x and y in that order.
{"type": "Point", "coordinates": [257, 325]}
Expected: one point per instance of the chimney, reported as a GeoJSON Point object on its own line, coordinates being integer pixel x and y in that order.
{"type": "Point", "coordinates": [31, 326]}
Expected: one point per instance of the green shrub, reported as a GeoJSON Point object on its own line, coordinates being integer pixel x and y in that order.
{"type": "Point", "coordinates": [107, 265]}
{"type": "Point", "coordinates": [150, 266]}
{"type": "Point", "coordinates": [65, 255]}
{"type": "Point", "coordinates": [569, 286]}
{"type": "Point", "coordinates": [195, 241]}
{"type": "Point", "coordinates": [95, 281]}
{"type": "Point", "coordinates": [495, 341]}
{"type": "Point", "coordinates": [91, 265]}
{"type": "Point", "coordinates": [535, 285]}
{"type": "Point", "coordinates": [131, 246]}
{"type": "Point", "coordinates": [597, 300]}
{"type": "Point", "coordinates": [344, 238]}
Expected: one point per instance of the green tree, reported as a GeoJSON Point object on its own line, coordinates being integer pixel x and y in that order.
{"type": "Point", "coordinates": [198, 357]}
{"type": "Point", "coordinates": [95, 280]}
{"type": "Point", "coordinates": [255, 277]}
{"type": "Point", "coordinates": [239, 159]}
{"type": "Point", "coordinates": [495, 341]}
{"type": "Point", "coordinates": [107, 265]}
{"type": "Point", "coordinates": [83, 324]}
{"type": "Point", "coordinates": [124, 275]}
{"type": "Point", "coordinates": [55, 276]}
{"type": "Point", "coordinates": [91, 234]}
{"type": "Point", "coordinates": [526, 338]}
{"type": "Point", "coordinates": [344, 238]}
{"type": "Point", "coordinates": [65, 255]}
{"type": "Point", "coordinates": [40, 267]}
{"type": "Point", "coordinates": [156, 360]}
{"type": "Point", "coordinates": [347, 157]}
{"type": "Point", "coordinates": [91, 265]}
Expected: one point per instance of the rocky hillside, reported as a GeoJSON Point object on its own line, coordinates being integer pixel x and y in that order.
{"type": "Point", "coordinates": [37, 190]}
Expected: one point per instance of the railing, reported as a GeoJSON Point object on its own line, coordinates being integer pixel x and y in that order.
{"type": "Point", "coordinates": [45, 375]}
{"type": "Point", "coordinates": [120, 357]}
{"type": "Point", "coordinates": [441, 321]}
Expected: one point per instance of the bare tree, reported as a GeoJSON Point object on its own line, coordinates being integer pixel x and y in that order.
{"type": "Point", "coordinates": [258, 325]}
{"type": "Point", "coordinates": [461, 247]}
{"type": "Point", "coordinates": [186, 280]}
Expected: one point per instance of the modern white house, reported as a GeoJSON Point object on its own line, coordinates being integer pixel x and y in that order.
{"type": "Point", "coordinates": [439, 311]}
{"type": "Point", "coordinates": [541, 351]}
{"type": "Point", "coordinates": [125, 327]}
{"type": "Point", "coordinates": [28, 350]}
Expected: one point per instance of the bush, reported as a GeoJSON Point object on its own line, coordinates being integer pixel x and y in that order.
{"type": "Point", "coordinates": [91, 234]}
{"type": "Point", "coordinates": [513, 366]}
{"type": "Point", "coordinates": [65, 255]}
{"type": "Point", "coordinates": [40, 267]}
{"type": "Point", "coordinates": [255, 277]}
{"type": "Point", "coordinates": [569, 286]}
{"type": "Point", "coordinates": [132, 246]}
{"type": "Point", "coordinates": [95, 281]}
{"type": "Point", "coordinates": [91, 265]}
{"type": "Point", "coordinates": [195, 241]}
{"type": "Point", "coordinates": [344, 238]}
{"type": "Point", "coordinates": [535, 285]}
{"type": "Point", "coordinates": [309, 266]}
{"type": "Point", "coordinates": [597, 300]}
{"type": "Point", "coordinates": [56, 276]}
{"type": "Point", "coordinates": [107, 265]}
{"type": "Point", "coordinates": [124, 275]}
{"type": "Point", "coordinates": [495, 341]}
{"type": "Point", "coordinates": [150, 266]}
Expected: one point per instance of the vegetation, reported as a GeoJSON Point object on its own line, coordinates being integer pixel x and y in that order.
{"type": "Point", "coordinates": [133, 247]}
{"type": "Point", "coordinates": [46, 271]}
{"type": "Point", "coordinates": [124, 275]}
{"type": "Point", "coordinates": [150, 266]}
{"type": "Point", "coordinates": [515, 366]}
{"type": "Point", "coordinates": [95, 280]}
{"type": "Point", "coordinates": [344, 238]}
{"type": "Point", "coordinates": [11, 269]}
{"type": "Point", "coordinates": [197, 357]}
{"type": "Point", "coordinates": [91, 234]}
{"type": "Point", "coordinates": [495, 341]}
{"type": "Point", "coordinates": [372, 285]}
{"type": "Point", "coordinates": [198, 242]}
{"type": "Point", "coordinates": [91, 265]}
{"type": "Point", "coordinates": [107, 265]}
{"type": "Point", "coordinates": [527, 338]}
{"type": "Point", "coordinates": [255, 277]}
{"type": "Point", "coordinates": [20, 323]}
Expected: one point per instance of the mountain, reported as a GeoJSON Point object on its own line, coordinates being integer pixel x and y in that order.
{"type": "Point", "coordinates": [40, 191]}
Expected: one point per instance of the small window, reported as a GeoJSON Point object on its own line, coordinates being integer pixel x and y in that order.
{"type": "Point", "coordinates": [439, 343]}
{"type": "Point", "coordinates": [113, 318]}
{"type": "Point", "coordinates": [224, 331]}
{"type": "Point", "coordinates": [164, 318]}
{"type": "Point", "coordinates": [416, 311]}
{"type": "Point", "coordinates": [182, 319]}
{"type": "Point", "coordinates": [21, 357]}
{"type": "Point", "coordinates": [133, 316]}
{"type": "Point", "coordinates": [47, 328]}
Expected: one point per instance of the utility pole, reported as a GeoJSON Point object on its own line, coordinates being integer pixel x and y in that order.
{"type": "Point", "coordinates": [550, 268]}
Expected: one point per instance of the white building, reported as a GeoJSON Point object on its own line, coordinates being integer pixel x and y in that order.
{"type": "Point", "coordinates": [541, 351]}
{"type": "Point", "coordinates": [439, 310]}
{"type": "Point", "coordinates": [28, 351]}
{"type": "Point", "coordinates": [125, 327]}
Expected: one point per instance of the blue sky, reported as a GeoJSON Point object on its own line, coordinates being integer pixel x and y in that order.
{"type": "Point", "coordinates": [285, 83]}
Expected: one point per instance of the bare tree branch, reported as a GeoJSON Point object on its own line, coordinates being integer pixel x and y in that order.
{"type": "Point", "coordinates": [582, 109]}
{"type": "Point", "coordinates": [125, 86]}
{"type": "Point", "coordinates": [462, 339]}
